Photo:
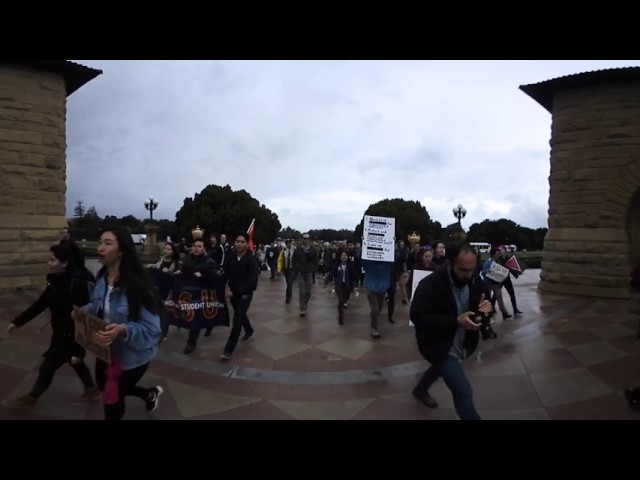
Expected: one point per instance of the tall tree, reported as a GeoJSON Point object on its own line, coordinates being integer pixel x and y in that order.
{"type": "Point", "coordinates": [290, 233]}
{"type": "Point", "coordinates": [410, 216]}
{"type": "Point", "coordinates": [92, 212]}
{"type": "Point", "coordinates": [331, 235]}
{"type": "Point", "coordinates": [222, 210]}
{"type": "Point", "coordinates": [507, 232]}
{"type": "Point", "coordinates": [79, 209]}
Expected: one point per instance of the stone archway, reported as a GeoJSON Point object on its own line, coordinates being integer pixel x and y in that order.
{"type": "Point", "coordinates": [595, 173]}
{"type": "Point", "coordinates": [33, 163]}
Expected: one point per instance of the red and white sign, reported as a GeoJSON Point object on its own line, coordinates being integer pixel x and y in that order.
{"type": "Point", "coordinates": [512, 264]}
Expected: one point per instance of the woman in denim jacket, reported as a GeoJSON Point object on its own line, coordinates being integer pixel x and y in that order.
{"type": "Point", "coordinates": [123, 297]}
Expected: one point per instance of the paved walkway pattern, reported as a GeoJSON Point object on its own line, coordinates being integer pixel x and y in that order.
{"type": "Point", "coordinates": [565, 358]}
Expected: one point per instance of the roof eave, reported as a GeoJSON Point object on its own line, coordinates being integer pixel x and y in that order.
{"type": "Point", "coordinates": [75, 75]}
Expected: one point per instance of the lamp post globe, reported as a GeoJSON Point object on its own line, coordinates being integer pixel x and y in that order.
{"type": "Point", "coordinates": [151, 204]}
{"type": "Point", "coordinates": [459, 212]}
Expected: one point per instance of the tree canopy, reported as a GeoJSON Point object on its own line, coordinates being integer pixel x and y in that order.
{"type": "Point", "coordinates": [507, 232]}
{"type": "Point", "coordinates": [219, 210]}
{"type": "Point", "coordinates": [410, 216]}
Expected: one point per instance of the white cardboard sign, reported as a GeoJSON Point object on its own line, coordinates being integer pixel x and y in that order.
{"type": "Point", "coordinates": [378, 242]}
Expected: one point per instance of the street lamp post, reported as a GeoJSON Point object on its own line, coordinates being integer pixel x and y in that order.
{"type": "Point", "coordinates": [459, 212]}
{"type": "Point", "coordinates": [151, 204]}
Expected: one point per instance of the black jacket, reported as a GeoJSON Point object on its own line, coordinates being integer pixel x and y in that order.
{"type": "Point", "coordinates": [61, 294]}
{"type": "Point", "coordinates": [336, 277]}
{"type": "Point", "coordinates": [242, 274]}
{"type": "Point", "coordinates": [305, 262]}
{"type": "Point", "coordinates": [202, 263]}
{"type": "Point", "coordinates": [434, 313]}
{"type": "Point", "coordinates": [217, 254]}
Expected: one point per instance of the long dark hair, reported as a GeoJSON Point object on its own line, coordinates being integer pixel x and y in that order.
{"type": "Point", "coordinates": [133, 277]}
{"type": "Point", "coordinates": [175, 253]}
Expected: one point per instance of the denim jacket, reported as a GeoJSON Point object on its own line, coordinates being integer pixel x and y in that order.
{"type": "Point", "coordinates": [139, 343]}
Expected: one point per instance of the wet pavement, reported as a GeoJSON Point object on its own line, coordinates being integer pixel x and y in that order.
{"type": "Point", "coordinates": [565, 358]}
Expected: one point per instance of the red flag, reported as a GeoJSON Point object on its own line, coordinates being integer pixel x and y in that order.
{"type": "Point", "coordinates": [512, 264]}
{"type": "Point", "coordinates": [250, 231]}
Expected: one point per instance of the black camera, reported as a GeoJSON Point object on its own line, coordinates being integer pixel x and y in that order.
{"type": "Point", "coordinates": [486, 330]}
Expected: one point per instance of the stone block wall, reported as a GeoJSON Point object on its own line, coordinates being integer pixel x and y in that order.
{"type": "Point", "coordinates": [32, 172]}
{"type": "Point", "coordinates": [595, 173]}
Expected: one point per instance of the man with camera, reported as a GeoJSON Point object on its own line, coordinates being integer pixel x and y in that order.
{"type": "Point", "coordinates": [449, 310]}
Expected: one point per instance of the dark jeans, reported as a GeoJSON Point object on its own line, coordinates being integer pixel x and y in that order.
{"type": "Point", "coordinates": [391, 302]}
{"type": "Point", "coordinates": [194, 335]}
{"type": "Point", "coordinates": [376, 302]}
{"type": "Point", "coordinates": [453, 375]}
{"type": "Point", "coordinates": [164, 322]}
{"type": "Point", "coordinates": [50, 365]}
{"type": "Point", "coordinates": [272, 266]}
{"type": "Point", "coordinates": [288, 278]}
{"type": "Point", "coordinates": [304, 290]}
{"type": "Point", "coordinates": [353, 286]}
{"type": "Point", "coordinates": [240, 320]}
{"type": "Point", "coordinates": [342, 290]}
{"type": "Point", "coordinates": [127, 387]}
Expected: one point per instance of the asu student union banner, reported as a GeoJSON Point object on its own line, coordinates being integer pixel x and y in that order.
{"type": "Point", "coordinates": [192, 302]}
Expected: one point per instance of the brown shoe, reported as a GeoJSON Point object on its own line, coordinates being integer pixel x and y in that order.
{"type": "Point", "coordinates": [425, 398]}
{"type": "Point", "coordinates": [90, 395]}
{"type": "Point", "coordinates": [26, 402]}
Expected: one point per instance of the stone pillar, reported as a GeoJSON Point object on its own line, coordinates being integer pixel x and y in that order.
{"type": "Point", "coordinates": [595, 172]}
{"type": "Point", "coordinates": [151, 250]}
{"type": "Point", "coordinates": [32, 168]}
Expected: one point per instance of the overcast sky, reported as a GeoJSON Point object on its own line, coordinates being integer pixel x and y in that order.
{"type": "Point", "coordinates": [316, 141]}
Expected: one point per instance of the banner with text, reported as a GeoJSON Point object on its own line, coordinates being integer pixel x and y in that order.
{"type": "Point", "coordinates": [497, 272]}
{"type": "Point", "coordinates": [378, 239]}
{"type": "Point", "coordinates": [192, 302]}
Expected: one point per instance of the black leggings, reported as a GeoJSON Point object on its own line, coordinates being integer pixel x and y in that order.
{"type": "Point", "coordinates": [127, 386]}
{"type": "Point", "coordinates": [53, 360]}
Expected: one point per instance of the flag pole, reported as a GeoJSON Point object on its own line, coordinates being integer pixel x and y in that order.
{"type": "Point", "coordinates": [250, 231]}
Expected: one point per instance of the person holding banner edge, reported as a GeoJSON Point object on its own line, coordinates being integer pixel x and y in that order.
{"type": "Point", "coordinates": [123, 298]}
{"type": "Point", "coordinates": [199, 266]}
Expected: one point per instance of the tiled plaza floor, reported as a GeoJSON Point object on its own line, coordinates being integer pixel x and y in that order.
{"type": "Point", "coordinates": [565, 358]}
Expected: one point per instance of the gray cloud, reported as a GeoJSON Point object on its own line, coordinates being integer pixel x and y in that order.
{"type": "Point", "coordinates": [315, 141]}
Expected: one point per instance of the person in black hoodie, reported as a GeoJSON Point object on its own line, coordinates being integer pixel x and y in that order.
{"type": "Point", "coordinates": [445, 311]}
{"type": "Point", "coordinates": [241, 271]}
{"type": "Point", "coordinates": [67, 285]}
